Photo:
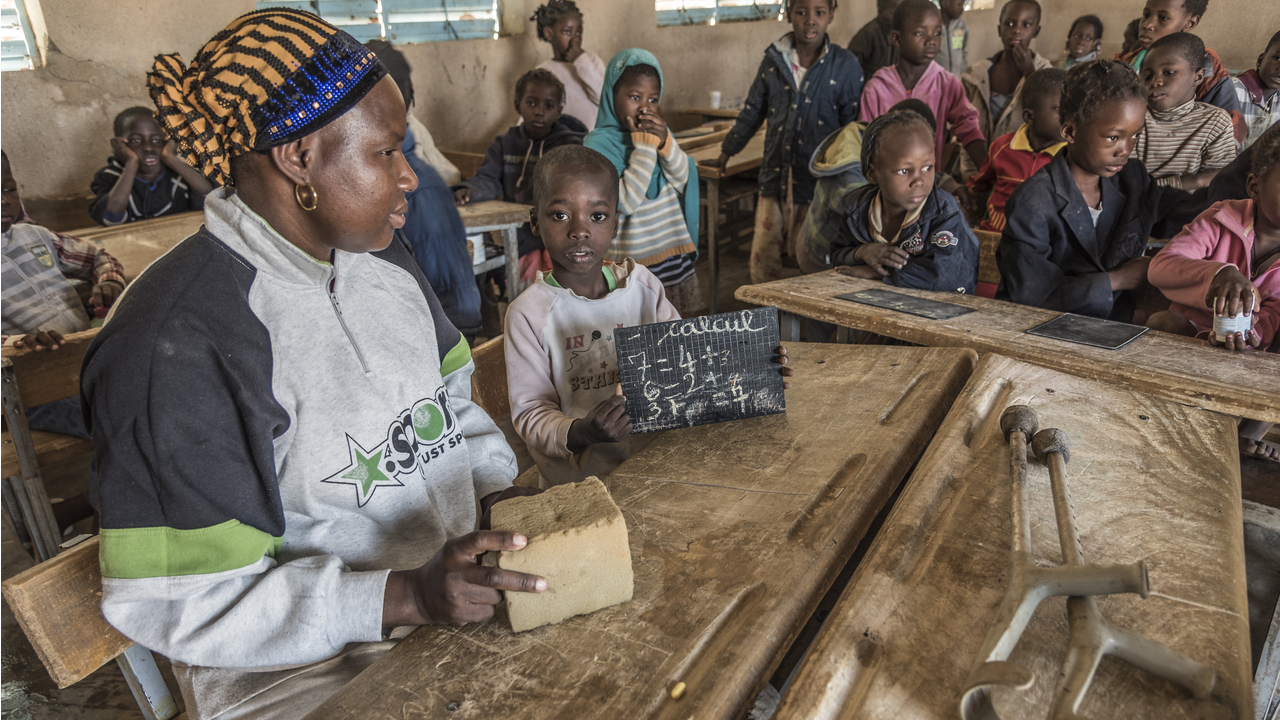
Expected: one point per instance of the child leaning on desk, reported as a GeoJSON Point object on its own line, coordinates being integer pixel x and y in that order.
{"type": "Point", "coordinates": [902, 227]}
{"type": "Point", "coordinates": [566, 400]}
{"type": "Point", "coordinates": [1225, 263]}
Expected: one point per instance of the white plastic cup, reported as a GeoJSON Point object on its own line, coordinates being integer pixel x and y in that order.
{"type": "Point", "coordinates": [1224, 326]}
{"type": "Point", "coordinates": [714, 99]}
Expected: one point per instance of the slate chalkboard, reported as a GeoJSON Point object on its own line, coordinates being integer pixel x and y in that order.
{"type": "Point", "coordinates": [920, 307]}
{"type": "Point", "coordinates": [1096, 332]}
{"type": "Point", "coordinates": [701, 370]}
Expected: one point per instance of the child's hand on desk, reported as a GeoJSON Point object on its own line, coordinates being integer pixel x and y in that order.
{"type": "Point", "coordinates": [881, 257]}
{"type": "Point", "coordinates": [858, 271]}
{"type": "Point", "coordinates": [781, 359]}
{"type": "Point", "coordinates": [453, 588]}
{"type": "Point", "coordinates": [40, 339]}
{"type": "Point", "coordinates": [609, 422]}
{"type": "Point", "coordinates": [1231, 293]}
{"type": "Point", "coordinates": [105, 294]}
{"type": "Point", "coordinates": [721, 162]}
{"type": "Point", "coordinates": [462, 196]}
{"type": "Point", "coordinates": [1237, 341]}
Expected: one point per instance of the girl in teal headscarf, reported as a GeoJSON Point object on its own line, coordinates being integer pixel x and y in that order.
{"type": "Point", "coordinates": [658, 195]}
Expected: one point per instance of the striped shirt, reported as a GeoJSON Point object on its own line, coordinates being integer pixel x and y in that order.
{"type": "Point", "coordinates": [1188, 139]}
{"type": "Point", "coordinates": [1260, 112]}
{"type": "Point", "coordinates": [37, 292]}
{"type": "Point", "coordinates": [652, 229]}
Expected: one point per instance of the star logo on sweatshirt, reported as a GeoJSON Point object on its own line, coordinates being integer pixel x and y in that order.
{"type": "Point", "coordinates": [364, 471]}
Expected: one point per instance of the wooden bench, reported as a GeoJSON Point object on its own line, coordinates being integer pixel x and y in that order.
{"type": "Point", "coordinates": [58, 604]}
{"type": "Point", "coordinates": [489, 381]}
{"type": "Point", "coordinates": [138, 244]}
{"type": "Point", "coordinates": [33, 378]}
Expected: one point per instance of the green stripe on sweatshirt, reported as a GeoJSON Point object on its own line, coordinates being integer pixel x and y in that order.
{"type": "Point", "coordinates": [457, 358]}
{"type": "Point", "coordinates": [136, 553]}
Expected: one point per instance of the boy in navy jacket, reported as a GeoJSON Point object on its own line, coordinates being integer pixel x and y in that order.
{"type": "Point", "coordinates": [806, 88]}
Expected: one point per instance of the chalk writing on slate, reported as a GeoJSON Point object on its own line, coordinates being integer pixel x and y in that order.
{"type": "Point", "coordinates": [702, 370]}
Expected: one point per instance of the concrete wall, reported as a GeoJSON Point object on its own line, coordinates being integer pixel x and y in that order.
{"type": "Point", "coordinates": [58, 118]}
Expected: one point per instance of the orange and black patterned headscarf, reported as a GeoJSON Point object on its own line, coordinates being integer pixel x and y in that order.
{"type": "Point", "coordinates": [270, 77]}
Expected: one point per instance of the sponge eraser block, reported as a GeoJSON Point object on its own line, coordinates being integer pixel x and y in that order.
{"type": "Point", "coordinates": [577, 541]}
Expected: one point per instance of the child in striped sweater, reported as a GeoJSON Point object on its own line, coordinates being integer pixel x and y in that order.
{"type": "Point", "coordinates": [658, 196]}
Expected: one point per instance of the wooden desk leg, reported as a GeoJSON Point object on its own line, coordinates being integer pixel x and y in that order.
{"type": "Point", "coordinates": [713, 247]}
{"type": "Point", "coordinates": [842, 335]}
{"type": "Point", "coordinates": [28, 485]}
{"type": "Point", "coordinates": [788, 326]}
{"type": "Point", "coordinates": [511, 251]}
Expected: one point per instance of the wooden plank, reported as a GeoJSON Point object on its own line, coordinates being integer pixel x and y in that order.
{"type": "Point", "coordinates": [1149, 479]}
{"type": "Point", "coordinates": [138, 244]}
{"type": "Point", "coordinates": [489, 213]}
{"type": "Point", "coordinates": [44, 375]}
{"type": "Point", "coordinates": [58, 603]}
{"type": "Point", "coordinates": [748, 159]}
{"type": "Point", "coordinates": [704, 140]}
{"type": "Point", "coordinates": [1181, 369]}
{"type": "Point", "coordinates": [489, 381]}
{"type": "Point", "coordinates": [50, 448]}
{"type": "Point", "coordinates": [710, 112]}
{"type": "Point", "coordinates": [736, 531]}
{"type": "Point", "coordinates": [988, 270]}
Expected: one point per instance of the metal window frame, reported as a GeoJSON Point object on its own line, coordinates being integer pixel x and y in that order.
{"type": "Point", "coordinates": [507, 19]}
{"type": "Point", "coordinates": [758, 10]}
{"type": "Point", "coordinates": [32, 25]}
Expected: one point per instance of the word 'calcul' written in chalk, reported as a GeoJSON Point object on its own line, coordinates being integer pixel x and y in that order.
{"type": "Point", "coordinates": [702, 370]}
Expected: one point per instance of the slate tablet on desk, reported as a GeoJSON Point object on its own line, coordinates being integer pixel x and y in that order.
{"type": "Point", "coordinates": [920, 307]}
{"type": "Point", "coordinates": [701, 370]}
{"type": "Point", "coordinates": [1096, 332]}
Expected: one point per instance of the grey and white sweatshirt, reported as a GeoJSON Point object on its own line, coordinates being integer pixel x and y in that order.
{"type": "Point", "coordinates": [273, 435]}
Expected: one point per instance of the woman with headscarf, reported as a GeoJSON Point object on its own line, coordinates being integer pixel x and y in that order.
{"type": "Point", "coordinates": [289, 463]}
{"type": "Point", "coordinates": [658, 192]}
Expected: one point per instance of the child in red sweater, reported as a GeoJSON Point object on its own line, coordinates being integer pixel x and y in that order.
{"type": "Point", "coordinates": [1227, 263]}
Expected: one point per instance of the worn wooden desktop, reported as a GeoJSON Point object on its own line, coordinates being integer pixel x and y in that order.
{"type": "Point", "coordinates": [1149, 479]}
{"type": "Point", "coordinates": [1182, 369]}
{"type": "Point", "coordinates": [710, 113]}
{"type": "Point", "coordinates": [138, 244]}
{"type": "Point", "coordinates": [503, 217]}
{"type": "Point", "coordinates": [749, 159]}
{"type": "Point", "coordinates": [736, 532]}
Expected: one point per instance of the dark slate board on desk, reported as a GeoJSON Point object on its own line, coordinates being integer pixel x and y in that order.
{"type": "Point", "coordinates": [1096, 332]}
{"type": "Point", "coordinates": [921, 307]}
{"type": "Point", "coordinates": [701, 370]}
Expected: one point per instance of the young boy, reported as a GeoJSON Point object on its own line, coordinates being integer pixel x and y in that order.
{"type": "Point", "coordinates": [144, 178]}
{"type": "Point", "coordinates": [1184, 143]}
{"type": "Point", "coordinates": [1084, 41]}
{"type": "Point", "coordinates": [993, 85]}
{"type": "Point", "coordinates": [872, 45]}
{"type": "Point", "coordinates": [954, 55]}
{"type": "Point", "coordinates": [1256, 92]}
{"type": "Point", "coordinates": [566, 400]}
{"type": "Point", "coordinates": [40, 304]}
{"type": "Point", "coordinates": [511, 158]}
{"type": "Point", "coordinates": [582, 71]}
{"type": "Point", "coordinates": [917, 32]}
{"type": "Point", "coordinates": [805, 89]}
{"type": "Point", "coordinates": [1017, 156]}
{"type": "Point", "coordinates": [1164, 17]}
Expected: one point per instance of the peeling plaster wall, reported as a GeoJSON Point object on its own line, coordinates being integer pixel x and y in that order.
{"type": "Point", "coordinates": [58, 117]}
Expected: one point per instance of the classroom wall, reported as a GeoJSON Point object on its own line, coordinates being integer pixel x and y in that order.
{"type": "Point", "coordinates": [58, 117]}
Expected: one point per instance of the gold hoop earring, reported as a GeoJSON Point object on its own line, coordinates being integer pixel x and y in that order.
{"type": "Point", "coordinates": [306, 196]}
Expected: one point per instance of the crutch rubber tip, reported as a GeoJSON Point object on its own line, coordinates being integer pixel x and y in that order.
{"type": "Point", "coordinates": [1051, 440]}
{"type": "Point", "coordinates": [1019, 417]}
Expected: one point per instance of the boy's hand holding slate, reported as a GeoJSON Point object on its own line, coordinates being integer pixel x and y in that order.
{"type": "Point", "coordinates": [609, 422]}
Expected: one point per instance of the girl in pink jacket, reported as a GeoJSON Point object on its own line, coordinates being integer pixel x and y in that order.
{"type": "Point", "coordinates": [1227, 262]}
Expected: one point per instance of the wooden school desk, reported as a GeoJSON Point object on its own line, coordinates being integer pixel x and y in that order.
{"type": "Point", "coordinates": [1182, 369]}
{"type": "Point", "coordinates": [736, 532]}
{"type": "Point", "coordinates": [749, 159]}
{"type": "Point", "coordinates": [1149, 479]}
{"type": "Point", "coordinates": [709, 113]}
{"type": "Point", "coordinates": [504, 217]}
{"type": "Point", "coordinates": [138, 244]}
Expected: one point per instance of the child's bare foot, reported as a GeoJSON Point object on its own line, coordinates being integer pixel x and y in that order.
{"type": "Point", "coordinates": [1259, 449]}
{"type": "Point", "coordinates": [1251, 442]}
